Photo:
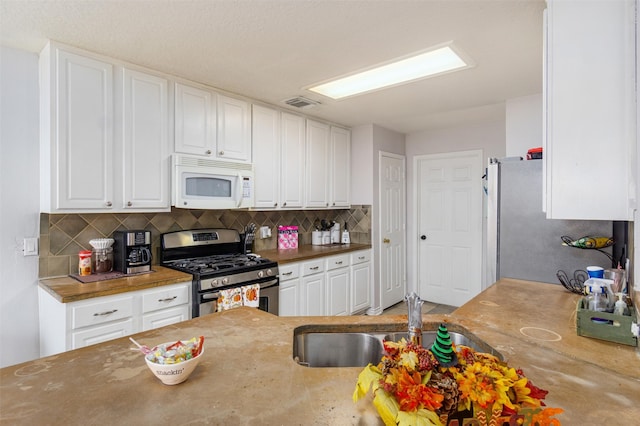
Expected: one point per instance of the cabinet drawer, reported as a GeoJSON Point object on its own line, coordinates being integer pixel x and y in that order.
{"type": "Point", "coordinates": [165, 317]}
{"type": "Point", "coordinates": [289, 272]}
{"type": "Point", "coordinates": [165, 298]}
{"type": "Point", "coordinates": [360, 257]}
{"type": "Point", "coordinates": [313, 267]}
{"type": "Point", "coordinates": [335, 262]}
{"type": "Point", "coordinates": [100, 334]}
{"type": "Point", "coordinates": [94, 313]}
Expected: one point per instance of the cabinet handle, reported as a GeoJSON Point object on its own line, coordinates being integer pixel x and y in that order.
{"type": "Point", "coordinates": [315, 268]}
{"type": "Point", "coordinates": [168, 299]}
{"type": "Point", "coordinates": [108, 203]}
{"type": "Point", "coordinates": [208, 152]}
{"type": "Point", "coordinates": [129, 203]}
{"type": "Point", "coordinates": [221, 153]}
{"type": "Point", "coordinates": [386, 240]}
{"type": "Point", "coordinates": [339, 263]}
{"type": "Point", "coordinates": [287, 273]}
{"type": "Point", "coordinates": [101, 314]}
{"type": "Point", "coordinates": [360, 257]}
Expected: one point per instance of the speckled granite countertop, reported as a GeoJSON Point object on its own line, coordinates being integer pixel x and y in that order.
{"type": "Point", "coordinates": [308, 252]}
{"type": "Point", "coordinates": [68, 289]}
{"type": "Point", "coordinates": [248, 377]}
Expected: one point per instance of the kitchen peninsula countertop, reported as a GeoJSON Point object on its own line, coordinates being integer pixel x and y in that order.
{"type": "Point", "coordinates": [247, 375]}
{"type": "Point", "coordinates": [68, 289]}
{"type": "Point", "coordinates": [308, 252]}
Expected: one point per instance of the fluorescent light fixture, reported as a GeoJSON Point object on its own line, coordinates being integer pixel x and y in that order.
{"type": "Point", "coordinates": [438, 60]}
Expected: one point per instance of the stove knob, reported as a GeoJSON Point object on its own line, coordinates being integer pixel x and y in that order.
{"type": "Point", "coordinates": [260, 274]}
{"type": "Point", "coordinates": [225, 281]}
{"type": "Point", "coordinates": [269, 272]}
{"type": "Point", "coordinates": [214, 283]}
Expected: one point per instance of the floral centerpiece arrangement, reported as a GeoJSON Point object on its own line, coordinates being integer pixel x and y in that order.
{"type": "Point", "coordinates": [444, 385]}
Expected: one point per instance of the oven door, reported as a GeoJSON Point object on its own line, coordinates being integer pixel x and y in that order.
{"type": "Point", "coordinates": [269, 295]}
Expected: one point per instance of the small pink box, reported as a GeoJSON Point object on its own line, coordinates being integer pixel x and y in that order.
{"type": "Point", "coordinates": [287, 237]}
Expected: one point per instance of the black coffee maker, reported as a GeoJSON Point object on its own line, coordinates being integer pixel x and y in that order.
{"type": "Point", "coordinates": [132, 251]}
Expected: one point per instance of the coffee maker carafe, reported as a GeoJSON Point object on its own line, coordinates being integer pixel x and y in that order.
{"type": "Point", "coordinates": [132, 251]}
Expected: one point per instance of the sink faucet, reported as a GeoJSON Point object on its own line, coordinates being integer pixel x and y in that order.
{"type": "Point", "coordinates": [414, 304]}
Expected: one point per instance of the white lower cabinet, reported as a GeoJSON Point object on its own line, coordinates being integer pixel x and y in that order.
{"type": "Point", "coordinates": [338, 289]}
{"type": "Point", "coordinates": [333, 285]}
{"type": "Point", "coordinates": [312, 289]}
{"type": "Point", "coordinates": [66, 326]}
{"type": "Point", "coordinates": [360, 281]}
{"type": "Point", "coordinates": [289, 290]}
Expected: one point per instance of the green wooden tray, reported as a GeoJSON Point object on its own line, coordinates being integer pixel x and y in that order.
{"type": "Point", "coordinates": [605, 326]}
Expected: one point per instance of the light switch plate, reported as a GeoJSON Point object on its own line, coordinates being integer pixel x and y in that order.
{"type": "Point", "coordinates": [30, 246]}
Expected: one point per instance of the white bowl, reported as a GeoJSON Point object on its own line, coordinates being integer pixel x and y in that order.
{"type": "Point", "coordinates": [173, 374]}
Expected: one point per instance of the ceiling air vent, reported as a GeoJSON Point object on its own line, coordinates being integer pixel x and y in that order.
{"type": "Point", "coordinates": [301, 102]}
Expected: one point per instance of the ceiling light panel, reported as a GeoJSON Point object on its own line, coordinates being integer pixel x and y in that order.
{"type": "Point", "coordinates": [429, 63]}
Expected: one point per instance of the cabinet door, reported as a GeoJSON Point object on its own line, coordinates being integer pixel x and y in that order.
{"type": "Point", "coordinates": [590, 110]}
{"type": "Point", "coordinates": [292, 160]}
{"type": "Point", "coordinates": [289, 298]}
{"type": "Point", "coordinates": [360, 287]}
{"type": "Point", "coordinates": [266, 153]}
{"type": "Point", "coordinates": [340, 166]}
{"type": "Point", "coordinates": [338, 292]}
{"type": "Point", "coordinates": [99, 334]}
{"type": "Point", "coordinates": [84, 136]}
{"type": "Point", "coordinates": [312, 295]}
{"type": "Point", "coordinates": [165, 317]}
{"type": "Point", "coordinates": [145, 152]}
{"type": "Point", "coordinates": [317, 161]}
{"type": "Point", "coordinates": [234, 129]}
{"type": "Point", "coordinates": [195, 120]}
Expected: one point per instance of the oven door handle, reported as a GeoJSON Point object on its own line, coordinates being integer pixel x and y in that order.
{"type": "Point", "coordinates": [268, 284]}
{"type": "Point", "coordinates": [210, 296]}
{"type": "Point", "coordinates": [216, 294]}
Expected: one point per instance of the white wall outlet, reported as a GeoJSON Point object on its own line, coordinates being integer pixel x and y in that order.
{"type": "Point", "coordinates": [30, 246]}
{"type": "Point", "coordinates": [265, 232]}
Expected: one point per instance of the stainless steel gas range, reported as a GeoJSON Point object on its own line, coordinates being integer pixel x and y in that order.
{"type": "Point", "coordinates": [217, 260]}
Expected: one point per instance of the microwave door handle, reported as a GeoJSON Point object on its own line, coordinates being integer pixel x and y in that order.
{"type": "Point", "coordinates": [239, 200]}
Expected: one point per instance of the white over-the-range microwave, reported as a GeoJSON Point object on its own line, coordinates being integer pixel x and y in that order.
{"type": "Point", "coordinates": [202, 183]}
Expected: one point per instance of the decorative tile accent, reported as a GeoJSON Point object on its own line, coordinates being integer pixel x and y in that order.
{"type": "Point", "coordinates": [63, 235]}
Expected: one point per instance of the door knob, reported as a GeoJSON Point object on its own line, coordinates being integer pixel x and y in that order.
{"type": "Point", "coordinates": [386, 240]}
{"type": "Point", "coordinates": [423, 237]}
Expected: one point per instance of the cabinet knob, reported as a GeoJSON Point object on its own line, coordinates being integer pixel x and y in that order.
{"type": "Point", "coordinates": [108, 204]}
{"type": "Point", "coordinates": [221, 153]}
{"type": "Point", "coordinates": [334, 203]}
{"type": "Point", "coordinates": [129, 203]}
{"type": "Point", "coordinates": [275, 204]}
{"type": "Point", "coordinates": [327, 205]}
{"type": "Point", "coordinates": [208, 152]}
{"type": "Point", "coordinates": [386, 240]}
{"type": "Point", "coordinates": [284, 204]}
{"type": "Point", "coordinates": [423, 237]}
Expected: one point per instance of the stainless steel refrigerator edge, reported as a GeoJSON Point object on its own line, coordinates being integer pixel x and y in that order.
{"type": "Point", "coordinates": [521, 242]}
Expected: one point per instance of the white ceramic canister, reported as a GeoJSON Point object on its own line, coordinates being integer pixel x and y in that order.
{"type": "Point", "coordinates": [316, 238]}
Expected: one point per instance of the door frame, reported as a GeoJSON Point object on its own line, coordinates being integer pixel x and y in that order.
{"type": "Point", "coordinates": [478, 153]}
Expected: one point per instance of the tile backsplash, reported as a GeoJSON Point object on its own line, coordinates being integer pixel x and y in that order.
{"type": "Point", "coordinates": [62, 236]}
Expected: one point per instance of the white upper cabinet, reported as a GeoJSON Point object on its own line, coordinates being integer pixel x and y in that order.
{"type": "Point", "coordinates": [292, 154]}
{"type": "Point", "coordinates": [145, 158]}
{"type": "Point", "coordinates": [195, 120]}
{"type": "Point", "coordinates": [590, 116]}
{"type": "Point", "coordinates": [278, 158]}
{"type": "Point", "coordinates": [234, 129]}
{"type": "Point", "coordinates": [340, 167]}
{"type": "Point", "coordinates": [317, 161]}
{"type": "Point", "coordinates": [211, 124]}
{"type": "Point", "coordinates": [266, 154]}
{"type": "Point", "coordinates": [104, 144]}
{"type": "Point", "coordinates": [77, 146]}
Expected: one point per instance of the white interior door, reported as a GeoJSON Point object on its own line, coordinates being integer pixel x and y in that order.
{"type": "Point", "coordinates": [392, 244]}
{"type": "Point", "coordinates": [449, 225]}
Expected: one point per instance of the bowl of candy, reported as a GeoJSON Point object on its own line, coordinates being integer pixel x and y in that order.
{"type": "Point", "coordinates": [173, 362]}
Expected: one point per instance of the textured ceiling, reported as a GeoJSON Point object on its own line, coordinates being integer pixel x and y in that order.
{"type": "Point", "coordinates": [271, 49]}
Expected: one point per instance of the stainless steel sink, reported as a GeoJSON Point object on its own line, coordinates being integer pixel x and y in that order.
{"type": "Point", "coordinates": [337, 349]}
{"type": "Point", "coordinates": [358, 345]}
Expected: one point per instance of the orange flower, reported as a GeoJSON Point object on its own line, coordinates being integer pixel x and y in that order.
{"type": "Point", "coordinates": [412, 394]}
